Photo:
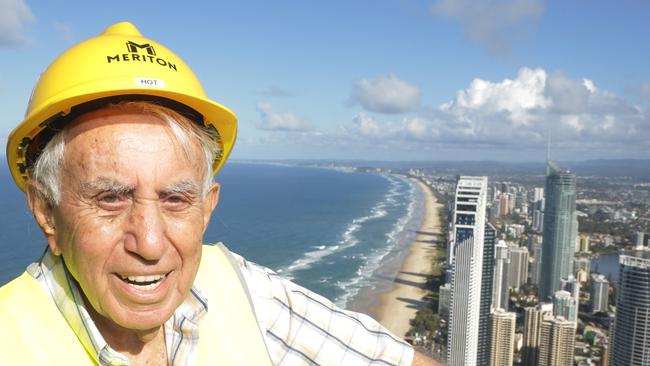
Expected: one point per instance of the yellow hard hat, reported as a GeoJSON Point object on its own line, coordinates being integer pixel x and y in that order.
{"type": "Point", "coordinates": [118, 64]}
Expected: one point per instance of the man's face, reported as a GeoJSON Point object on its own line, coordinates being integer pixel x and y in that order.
{"type": "Point", "coordinates": [131, 219]}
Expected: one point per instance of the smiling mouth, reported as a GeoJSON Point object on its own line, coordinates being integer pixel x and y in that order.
{"type": "Point", "coordinates": [144, 282]}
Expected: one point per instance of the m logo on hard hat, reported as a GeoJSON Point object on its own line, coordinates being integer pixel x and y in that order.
{"type": "Point", "coordinates": [135, 55]}
{"type": "Point", "coordinates": [133, 47]}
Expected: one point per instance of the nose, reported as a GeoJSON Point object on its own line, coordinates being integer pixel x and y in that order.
{"type": "Point", "coordinates": [146, 231]}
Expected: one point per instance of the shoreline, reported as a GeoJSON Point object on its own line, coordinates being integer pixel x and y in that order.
{"type": "Point", "coordinates": [398, 305]}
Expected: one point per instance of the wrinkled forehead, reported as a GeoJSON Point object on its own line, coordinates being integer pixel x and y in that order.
{"type": "Point", "coordinates": [115, 139]}
{"type": "Point", "coordinates": [108, 120]}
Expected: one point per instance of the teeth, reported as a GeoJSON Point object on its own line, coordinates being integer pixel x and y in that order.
{"type": "Point", "coordinates": [145, 278]}
{"type": "Point", "coordinates": [143, 282]}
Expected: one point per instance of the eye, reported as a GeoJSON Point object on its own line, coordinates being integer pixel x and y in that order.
{"type": "Point", "coordinates": [176, 202]}
{"type": "Point", "coordinates": [111, 201]}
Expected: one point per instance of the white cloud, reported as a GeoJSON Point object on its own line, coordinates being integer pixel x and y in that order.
{"type": "Point", "coordinates": [280, 121]}
{"type": "Point", "coordinates": [14, 17]}
{"type": "Point", "coordinates": [490, 23]}
{"type": "Point", "coordinates": [526, 109]}
{"type": "Point", "coordinates": [516, 97]}
{"type": "Point", "coordinates": [367, 126]}
{"type": "Point", "coordinates": [386, 94]}
{"type": "Point", "coordinates": [519, 114]}
{"type": "Point", "coordinates": [417, 128]}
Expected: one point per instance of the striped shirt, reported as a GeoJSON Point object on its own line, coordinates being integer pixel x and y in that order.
{"type": "Point", "coordinates": [300, 327]}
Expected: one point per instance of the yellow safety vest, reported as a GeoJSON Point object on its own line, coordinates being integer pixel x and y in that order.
{"type": "Point", "coordinates": [33, 331]}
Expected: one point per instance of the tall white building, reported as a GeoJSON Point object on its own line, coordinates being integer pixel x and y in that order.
{"type": "Point", "coordinates": [599, 293]}
{"type": "Point", "coordinates": [538, 194]}
{"type": "Point", "coordinates": [518, 266]}
{"type": "Point", "coordinates": [500, 287]}
{"type": "Point", "coordinates": [536, 265]}
{"type": "Point", "coordinates": [468, 240]}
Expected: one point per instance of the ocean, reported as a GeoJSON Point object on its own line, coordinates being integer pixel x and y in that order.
{"type": "Point", "coordinates": [334, 232]}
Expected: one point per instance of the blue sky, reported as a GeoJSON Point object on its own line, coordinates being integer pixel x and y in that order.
{"type": "Point", "coordinates": [382, 80]}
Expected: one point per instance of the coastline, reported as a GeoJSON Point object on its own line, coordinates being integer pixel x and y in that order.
{"type": "Point", "coordinates": [397, 306]}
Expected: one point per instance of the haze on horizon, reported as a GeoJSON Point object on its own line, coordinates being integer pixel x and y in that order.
{"type": "Point", "coordinates": [403, 80]}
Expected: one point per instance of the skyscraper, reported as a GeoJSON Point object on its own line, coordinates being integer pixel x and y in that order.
{"type": "Point", "coordinates": [630, 341]}
{"type": "Point", "coordinates": [500, 289]}
{"type": "Point", "coordinates": [538, 196]}
{"type": "Point", "coordinates": [556, 341]}
{"type": "Point", "coordinates": [467, 269]}
{"type": "Point", "coordinates": [483, 349]}
{"type": "Point", "coordinates": [565, 305]}
{"type": "Point", "coordinates": [536, 265]}
{"type": "Point", "coordinates": [504, 204]}
{"type": "Point", "coordinates": [599, 293]}
{"type": "Point", "coordinates": [560, 229]}
{"type": "Point", "coordinates": [518, 267]}
{"type": "Point", "coordinates": [537, 209]}
{"type": "Point", "coordinates": [502, 338]}
{"type": "Point", "coordinates": [532, 327]}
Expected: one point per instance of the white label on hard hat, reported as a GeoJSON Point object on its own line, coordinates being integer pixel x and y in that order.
{"type": "Point", "coordinates": [150, 83]}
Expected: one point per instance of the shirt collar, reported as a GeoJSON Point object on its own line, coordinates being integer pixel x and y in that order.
{"type": "Point", "coordinates": [181, 330]}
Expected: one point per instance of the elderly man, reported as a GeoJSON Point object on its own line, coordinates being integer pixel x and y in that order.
{"type": "Point", "coordinates": [116, 154]}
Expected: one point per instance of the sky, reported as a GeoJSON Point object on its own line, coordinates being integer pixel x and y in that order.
{"type": "Point", "coordinates": [415, 80]}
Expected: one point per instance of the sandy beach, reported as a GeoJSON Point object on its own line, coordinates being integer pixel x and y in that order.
{"type": "Point", "coordinates": [398, 305]}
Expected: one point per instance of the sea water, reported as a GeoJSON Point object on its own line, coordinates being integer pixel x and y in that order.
{"type": "Point", "coordinates": [331, 231]}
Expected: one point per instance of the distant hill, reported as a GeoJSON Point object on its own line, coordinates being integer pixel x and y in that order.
{"type": "Point", "coordinates": [634, 168]}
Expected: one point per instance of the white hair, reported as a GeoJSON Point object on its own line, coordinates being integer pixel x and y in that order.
{"type": "Point", "coordinates": [46, 170]}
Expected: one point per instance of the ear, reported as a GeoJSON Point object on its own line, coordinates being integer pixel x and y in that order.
{"type": "Point", "coordinates": [44, 215]}
{"type": "Point", "coordinates": [210, 203]}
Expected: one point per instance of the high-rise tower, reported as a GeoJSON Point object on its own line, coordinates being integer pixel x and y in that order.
{"type": "Point", "coordinates": [503, 338]}
{"type": "Point", "coordinates": [532, 327]}
{"type": "Point", "coordinates": [599, 293]}
{"type": "Point", "coordinates": [631, 335]}
{"type": "Point", "coordinates": [565, 305]}
{"type": "Point", "coordinates": [500, 289]}
{"type": "Point", "coordinates": [487, 278]}
{"type": "Point", "coordinates": [518, 267]}
{"type": "Point", "coordinates": [560, 229]}
{"type": "Point", "coordinates": [556, 341]}
{"type": "Point", "coordinates": [468, 241]}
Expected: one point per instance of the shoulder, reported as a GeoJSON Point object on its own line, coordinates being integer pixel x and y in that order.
{"type": "Point", "coordinates": [17, 291]}
{"type": "Point", "coordinates": [301, 325]}
{"type": "Point", "coordinates": [30, 317]}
